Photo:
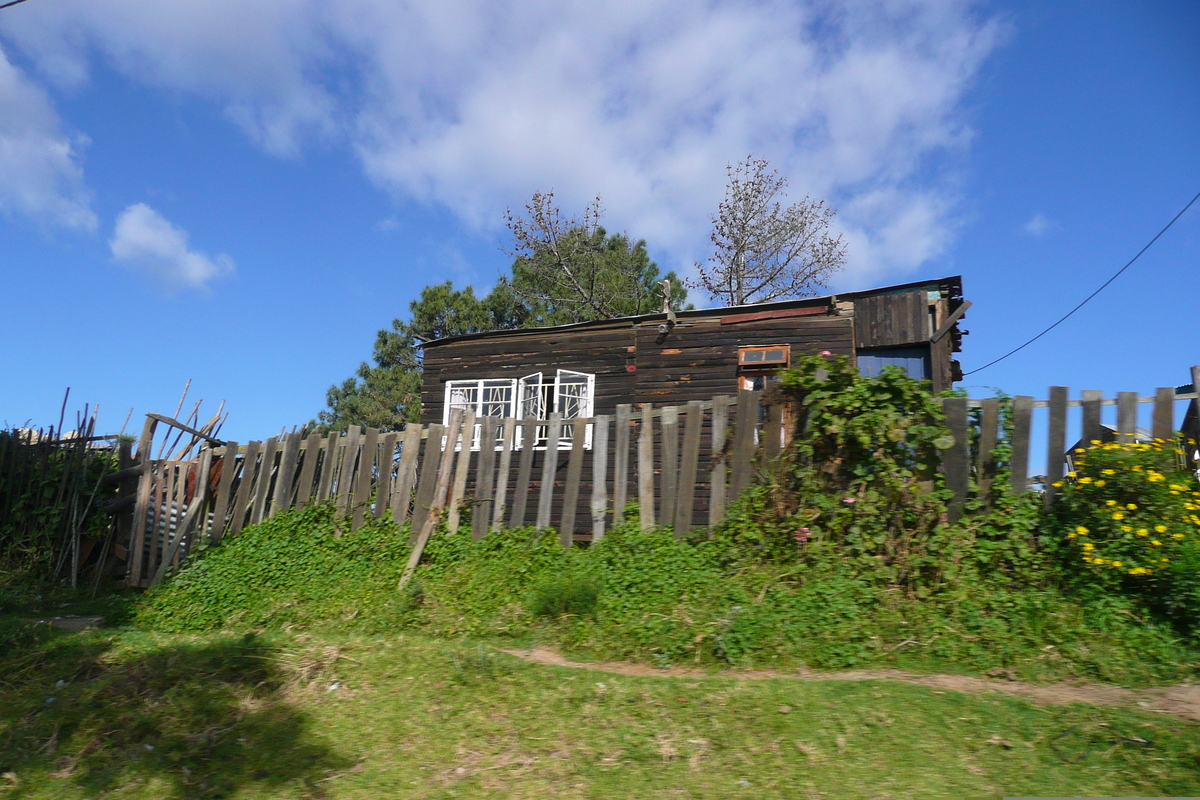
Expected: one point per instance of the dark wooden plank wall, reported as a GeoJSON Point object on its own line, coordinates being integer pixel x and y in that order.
{"type": "Point", "coordinates": [891, 320]}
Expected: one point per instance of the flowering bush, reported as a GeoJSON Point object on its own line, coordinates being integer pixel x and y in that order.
{"type": "Point", "coordinates": [1129, 520]}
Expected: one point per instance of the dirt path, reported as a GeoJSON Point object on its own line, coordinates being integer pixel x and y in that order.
{"type": "Point", "coordinates": [1181, 701]}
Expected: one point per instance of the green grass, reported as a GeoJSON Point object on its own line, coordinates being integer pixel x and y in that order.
{"type": "Point", "coordinates": [148, 715]}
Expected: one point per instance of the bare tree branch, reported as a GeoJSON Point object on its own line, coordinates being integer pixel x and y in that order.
{"type": "Point", "coordinates": [763, 251]}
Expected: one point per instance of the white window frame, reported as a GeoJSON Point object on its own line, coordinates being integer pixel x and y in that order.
{"type": "Point", "coordinates": [530, 397]}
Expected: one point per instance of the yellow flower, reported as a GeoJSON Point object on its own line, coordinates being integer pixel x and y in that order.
{"type": "Point", "coordinates": [1116, 563]}
{"type": "Point", "coordinates": [1080, 450]}
{"type": "Point", "coordinates": [1084, 480]}
{"type": "Point", "coordinates": [1070, 474]}
{"type": "Point", "coordinates": [1126, 528]}
{"type": "Point", "coordinates": [1177, 536]}
{"type": "Point", "coordinates": [1132, 507]}
{"type": "Point", "coordinates": [1110, 502]}
{"type": "Point", "coordinates": [1082, 531]}
{"type": "Point", "coordinates": [1156, 542]}
{"type": "Point", "coordinates": [1088, 546]}
{"type": "Point", "coordinates": [1143, 532]}
{"type": "Point", "coordinates": [1100, 482]}
{"type": "Point", "coordinates": [1160, 528]}
{"type": "Point", "coordinates": [1057, 484]}
{"type": "Point", "coordinates": [1108, 472]}
{"type": "Point", "coordinates": [1118, 516]}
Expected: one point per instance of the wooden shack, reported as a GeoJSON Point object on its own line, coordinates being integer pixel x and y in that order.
{"type": "Point", "coordinates": [669, 359]}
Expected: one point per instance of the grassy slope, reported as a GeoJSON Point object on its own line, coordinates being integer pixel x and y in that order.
{"type": "Point", "coordinates": [145, 715]}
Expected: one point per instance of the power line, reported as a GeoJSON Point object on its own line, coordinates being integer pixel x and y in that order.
{"type": "Point", "coordinates": [1104, 285]}
{"type": "Point", "coordinates": [13, 3]}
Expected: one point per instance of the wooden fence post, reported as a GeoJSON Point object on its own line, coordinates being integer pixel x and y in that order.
{"type": "Point", "coordinates": [485, 479]}
{"type": "Point", "coordinates": [383, 489]}
{"type": "Point", "coordinates": [646, 468]}
{"type": "Point", "coordinates": [670, 464]}
{"type": "Point", "coordinates": [406, 473]}
{"type": "Point", "coordinates": [366, 471]}
{"type": "Point", "coordinates": [524, 473]}
{"type": "Point", "coordinates": [621, 461]}
{"type": "Point", "coordinates": [1092, 430]}
{"type": "Point", "coordinates": [499, 508]}
{"type": "Point", "coordinates": [688, 467]}
{"type": "Point", "coordinates": [308, 470]}
{"type": "Point", "coordinates": [716, 483]}
{"type": "Point", "coordinates": [599, 503]}
{"type": "Point", "coordinates": [1056, 442]}
{"type": "Point", "coordinates": [345, 477]}
{"type": "Point", "coordinates": [262, 493]}
{"type": "Point", "coordinates": [224, 492]}
{"type": "Point", "coordinates": [1127, 404]}
{"type": "Point", "coordinates": [245, 488]}
{"type": "Point", "coordinates": [287, 471]}
{"type": "Point", "coordinates": [428, 461]}
{"type": "Point", "coordinates": [566, 527]}
{"type": "Point", "coordinates": [989, 429]}
{"type": "Point", "coordinates": [1022, 422]}
{"type": "Point", "coordinates": [743, 442]}
{"type": "Point", "coordinates": [141, 511]}
{"type": "Point", "coordinates": [1163, 426]}
{"type": "Point", "coordinates": [549, 469]}
{"type": "Point", "coordinates": [956, 461]}
{"type": "Point", "coordinates": [461, 472]}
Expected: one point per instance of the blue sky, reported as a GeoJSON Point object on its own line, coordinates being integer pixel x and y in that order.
{"type": "Point", "coordinates": [241, 195]}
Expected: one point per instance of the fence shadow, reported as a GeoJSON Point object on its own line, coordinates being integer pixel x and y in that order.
{"type": "Point", "coordinates": [189, 720]}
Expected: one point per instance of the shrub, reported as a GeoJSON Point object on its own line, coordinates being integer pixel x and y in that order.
{"type": "Point", "coordinates": [565, 596]}
{"type": "Point", "coordinates": [1128, 522]}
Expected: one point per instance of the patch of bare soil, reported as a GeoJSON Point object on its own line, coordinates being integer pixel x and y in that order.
{"type": "Point", "coordinates": [1180, 701]}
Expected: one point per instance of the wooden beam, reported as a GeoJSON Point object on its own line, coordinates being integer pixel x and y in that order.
{"type": "Point", "coordinates": [599, 504]}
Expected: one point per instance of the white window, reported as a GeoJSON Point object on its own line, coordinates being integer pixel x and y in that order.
{"type": "Point", "coordinates": [571, 394]}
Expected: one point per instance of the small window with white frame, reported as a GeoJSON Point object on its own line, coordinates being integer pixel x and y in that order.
{"type": "Point", "coordinates": [536, 396]}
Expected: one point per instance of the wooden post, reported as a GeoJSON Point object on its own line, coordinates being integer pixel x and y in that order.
{"type": "Point", "coordinates": [621, 461]}
{"type": "Point", "coordinates": [245, 488]}
{"type": "Point", "coordinates": [137, 534]}
{"type": "Point", "coordinates": [1163, 427]}
{"type": "Point", "coordinates": [499, 508]}
{"type": "Point", "coordinates": [262, 492]}
{"type": "Point", "coordinates": [282, 497]}
{"type": "Point", "coordinates": [1022, 411]}
{"type": "Point", "coordinates": [688, 467]}
{"type": "Point", "coordinates": [429, 460]}
{"type": "Point", "coordinates": [956, 461]}
{"type": "Point", "coordinates": [566, 526]}
{"type": "Point", "coordinates": [194, 513]}
{"type": "Point", "coordinates": [718, 474]}
{"type": "Point", "coordinates": [1091, 416]}
{"type": "Point", "coordinates": [549, 468]}
{"type": "Point", "coordinates": [406, 473]}
{"type": "Point", "coordinates": [485, 479]}
{"type": "Point", "coordinates": [646, 468]}
{"type": "Point", "coordinates": [1056, 443]}
{"type": "Point", "coordinates": [445, 465]}
{"type": "Point", "coordinates": [669, 471]}
{"type": "Point", "coordinates": [366, 471]}
{"type": "Point", "coordinates": [345, 477]}
{"type": "Point", "coordinates": [1127, 405]}
{"type": "Point", "coordinates": [383, 489]}
{"type": "Point", "coordinates": [224, 492]}
{"type": "Point", "coordinates": [459, 491]}
{"type": "Point", "coordinates": [328, 460]}
{"type": "Point", "coordinates": [773, 432]}
{"type": "Point", "coordinates": [743, 442]}
{"type": "Point", "coordinates": [524, 473]}
{"type": "Point", "coordinates": [989, 428]}
{"type": "Point", "coordinates": [599, 503]}
{"type": "Point", "coordinates": [308, 469]}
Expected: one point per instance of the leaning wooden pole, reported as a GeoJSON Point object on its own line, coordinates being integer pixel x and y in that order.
{"type": "Point", "coordinates": [445, 468]}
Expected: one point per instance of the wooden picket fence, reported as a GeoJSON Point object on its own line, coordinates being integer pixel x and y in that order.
{"type": "Point", "coordinates": [682, 465]}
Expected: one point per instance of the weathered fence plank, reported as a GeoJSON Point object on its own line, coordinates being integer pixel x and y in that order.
{"type": "Point", "coordinates": [956, 461]}
{"type": "Point", "coordinates": [524, 473]}
{"type": "Point", "coordinates": [245, 491]}
{"type": "Point", "coordinates": [366, 471]}
{"type": "Point", "coordinates": [599, 504]}
{"type": "Point", "coordinates": [328, 459]}
{"type": "Point", "coordinates": [645, 466]}
{"type": "Point", "coordinates": [345, 476]}
{"type": "Point", "coordinates": [1127, 405]}
{"type": "Point", "coordinates": [387, 461]}
{"type": "Point", "coordinates": [459, 491]}
{"type": "Point", "coordinates": [1022, 411]}
{"type": "Point", "coordinates": [989, 429]}
{"type": "Point", "coordinates": [549, 469]}
{"type": "Point", "coordinates": [224, 492]}
{"type": "Point", "coordinates": [773, 432]}
{"type": "Point", "coordinates": [718, 473]}
{"type": "Point", "coordinates": [1056, 441]}
{"type": "Point", "coordinates": [427, 482]}
{"type": "Point", "coordinates": [743, 442]}
{"type": "Point", "coordinates": [287, 471]}
{"type": "Point", "coordinates": [1163, 425]}
{"type": "Point", "coordinates": [308, 469]}
{"type": "Point", "coordinates": [693, 424]}
{"type": "Point", "coordinates": [406, 473]}
{"type": "Point", "coordinates": [507, 438]}
{"type": "Point", "coordinates": [1091, 400]}
{"type": "Point", "coordinates": [566, 525]}
{"type": "Point", "coordinates": [485, 478]}
{"type": "Point", "coordinates": [669, 471]}
{"type": "Point", "coordinates": [263, 492]}
{"type": "Point", "coordinates": [624, 422]}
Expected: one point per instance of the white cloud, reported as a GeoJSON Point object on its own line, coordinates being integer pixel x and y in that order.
{"type": "Point", "coordinates": [474, 105]}
{"type": "Point", "coordinates": [1039, 225]}
{"type": "Point", "coordinates": [146, 242]}
{"type": "Point", "coordinates": [40, 175]}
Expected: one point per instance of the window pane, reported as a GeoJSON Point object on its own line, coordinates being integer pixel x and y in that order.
{"type": "Point", "coordinates": [775, 355]}
{"type": "Point", "coordinates": [752, 356]}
